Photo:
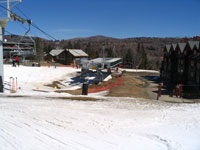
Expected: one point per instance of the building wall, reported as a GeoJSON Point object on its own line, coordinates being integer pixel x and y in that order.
{"type": "Point", "coordinates": [181, 68]}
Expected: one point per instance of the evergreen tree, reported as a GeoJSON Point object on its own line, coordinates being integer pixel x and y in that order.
{"type": "Point", "coordinates": [90, 51]}
{"type": "Point", "coordinates": [129, 57]}
{"type": "Point", "coordinates": [138, 48]}
{"type": "Point", "coordinates": [39, 49]}
{"type": "Point", "coordinates": [144, 59]}
{"type": "Point", "coordinates": [77, 45]}
{"type": "Point", "coordinates": [48, 48]}
{"type": "Point", "coordinates": [109, 52]}
{"type": "Point", "coordinates": [97, 54]}
{"type": "Point", "coordinates": [69, 45]}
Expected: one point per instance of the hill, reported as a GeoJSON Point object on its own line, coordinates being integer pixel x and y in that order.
{"type": "Point", "coordinates": [143, 52]}
{"type": "Point", "coordinates": [131, 49]}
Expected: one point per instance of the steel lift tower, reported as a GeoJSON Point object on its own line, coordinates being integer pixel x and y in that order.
{"type": "Point", "coordinates": [10, 17]}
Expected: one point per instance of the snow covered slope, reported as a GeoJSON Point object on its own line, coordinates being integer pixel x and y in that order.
{"type": "Point", "coordinates": [31, 78]}
{"type": "Point", "coordinates": [112, 124]}
{"type": "Point", "coordinates": [41, 123]}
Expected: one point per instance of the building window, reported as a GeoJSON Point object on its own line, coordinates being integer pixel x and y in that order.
{"type": "Point", "coordinates": [192, 74]}
{"type": "Point", "coordinates": [181, 70]}
{"type": "Point", "coordinates": [192, 63]}
{"type": "Point", "coordinates": [181, 62]}
{"type": "Point", "coordinates": [198, 66]}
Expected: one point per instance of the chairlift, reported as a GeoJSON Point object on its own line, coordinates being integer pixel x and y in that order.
{"type": "Point", "coordinates": [17, 53]}
{"type": "Point", "coordinates": [25, 35]}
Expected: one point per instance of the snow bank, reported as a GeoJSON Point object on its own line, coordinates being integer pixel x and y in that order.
{"type": "Point", "coordinates": [139, 70]}
{"type": "Point", "coordinates": [32, 78]}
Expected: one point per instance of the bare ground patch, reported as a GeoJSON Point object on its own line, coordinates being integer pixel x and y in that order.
{"type": "Point", "coordinates": [131, 87]}
{"type": "Point", "coordinates": [56, 84]}
{"type": "Point", "coordinates": [79, 91]}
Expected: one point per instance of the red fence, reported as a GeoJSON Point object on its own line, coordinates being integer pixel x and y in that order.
{"type": "Point", "coordinates": [107, 87]}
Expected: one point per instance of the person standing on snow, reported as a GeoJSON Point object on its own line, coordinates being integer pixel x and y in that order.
{"type": "Point", "coordinates": [17, 60]}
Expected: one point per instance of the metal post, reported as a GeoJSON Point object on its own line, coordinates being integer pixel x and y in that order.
{"type": "Point", "coordinates": [2, 26]}
{"type": "Point", "coordinates": [8, 8]}
{"type": "Point", "coordinates": [1, 57]}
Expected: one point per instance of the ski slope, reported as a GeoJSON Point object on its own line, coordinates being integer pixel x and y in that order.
{"type": "Point", "coordinates": [110, 124]}
{"type": "Point", "coordinates": [33, 120]}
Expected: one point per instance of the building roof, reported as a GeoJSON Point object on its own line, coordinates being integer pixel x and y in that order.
{"type": "Point", "coordinates": [192, 44]}
{"type": "Point", "coordinates": [113, 60]}
{"type": "Point", "coordinates": [168, 47]}
{"type": "Point", "coordinates": [77, 52]}
{"type": "Point", "coordinates": [74, 52]}
{"type": "Point", "coordinates": [174, 46]}
{"type": "Point", "coordinates": [56, 52]}
{"type": "Point", "coordinates": [181, 46]}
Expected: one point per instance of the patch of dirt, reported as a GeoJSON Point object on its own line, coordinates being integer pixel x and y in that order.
{"type": "Point", "coordinates": [79, 91]}
{"type": "Point", "coordinates": [131, 87]}
{"type": "Point", "coordinates": [114, 79]}
{"type": "Point", "coordinates": [56, 84]}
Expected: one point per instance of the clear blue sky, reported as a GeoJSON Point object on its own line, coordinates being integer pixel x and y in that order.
{"type": "Point", "coordinates": [65, 19]}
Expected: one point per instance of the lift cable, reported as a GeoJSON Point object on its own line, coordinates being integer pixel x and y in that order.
{"type": "Point", "coordinates": [22, 13]}
{"type": "Point", "coordinates": [35, 26]}
{"type": "Point", "coordinates": [8, 32]}
{"type": "Point", "coordinates": [28, 21]}
{"type": "Point", "coordinates": [27, 29]}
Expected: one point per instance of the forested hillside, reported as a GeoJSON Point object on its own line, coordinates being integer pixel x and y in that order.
{"type": "Point", "coordinates": [142, 52]}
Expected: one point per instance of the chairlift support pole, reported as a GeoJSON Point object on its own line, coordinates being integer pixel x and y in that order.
{"type": "Point", "coordinates": [1, 59]}
{"type": "Point", "coordinates": [10, 17]}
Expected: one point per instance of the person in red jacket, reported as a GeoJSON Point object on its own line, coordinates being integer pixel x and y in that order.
{"type": "Point", "coordinates": [17, 60]}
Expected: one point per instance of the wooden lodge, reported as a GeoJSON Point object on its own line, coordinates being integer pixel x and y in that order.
{"type": "Point", "coordinates": [67, 56]}
{"type": "Point", "coordinates": [181, 65]}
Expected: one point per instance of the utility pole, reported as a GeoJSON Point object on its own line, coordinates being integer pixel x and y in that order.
{"type": "Point", "coordinates": [10, 17]}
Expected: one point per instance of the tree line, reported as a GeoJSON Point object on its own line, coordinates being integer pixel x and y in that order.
{"type": "Point", "coordinates": [136, 53]}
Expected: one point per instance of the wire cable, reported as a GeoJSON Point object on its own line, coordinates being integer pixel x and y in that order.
{"type": "Point", "coordinates": [8, 32]}
{"type": "Point", "coordinates": [22, 13]}
{"type": "Point", "coordinates": [48, 35]}
{"type": "Point", "coordinates": [34, 25]}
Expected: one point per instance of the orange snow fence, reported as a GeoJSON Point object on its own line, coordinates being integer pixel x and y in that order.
{"type": "Point", "coordinates": [107, 87]}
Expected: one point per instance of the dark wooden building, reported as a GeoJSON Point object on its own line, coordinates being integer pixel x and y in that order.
{"type": "Point", "coordinates": [67, 56]}
{"type": "Point", "coordinates": [180, 49]}
{"type": "Point", "coordinates": [181, 65]}
{"type": "Point", "coordinates": [165, 63]}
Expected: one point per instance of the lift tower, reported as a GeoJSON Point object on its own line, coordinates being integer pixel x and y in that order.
{"type": "Point", "coordinates": [10, 17]}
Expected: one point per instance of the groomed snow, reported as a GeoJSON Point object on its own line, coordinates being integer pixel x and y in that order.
{"type": "Point", "coordinates": [32, 78]}
{"type": "Point", "coordinates": [112, 124]}
{"type": "Point", "coordinates": [41, 123]}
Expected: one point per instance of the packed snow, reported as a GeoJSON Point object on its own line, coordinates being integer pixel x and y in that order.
{"type": "Point", "coordinates": [32, 78]}
{"type": "Point", "coordinates": [44, 121]}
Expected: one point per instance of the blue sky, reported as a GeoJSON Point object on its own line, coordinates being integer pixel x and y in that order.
{"type": "Point", "coordinates": [65, 19]}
